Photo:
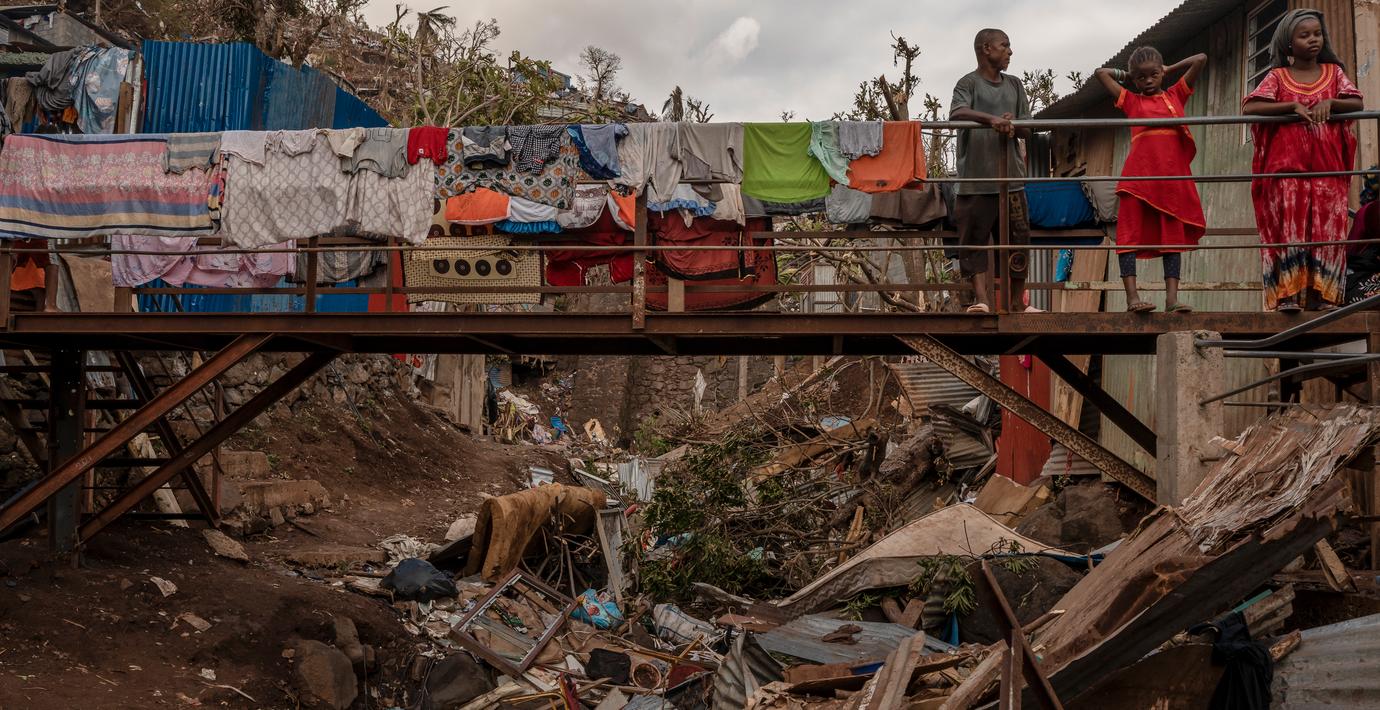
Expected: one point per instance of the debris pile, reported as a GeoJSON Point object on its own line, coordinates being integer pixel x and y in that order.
{"type": "Point", "coordinates": [786, 555]}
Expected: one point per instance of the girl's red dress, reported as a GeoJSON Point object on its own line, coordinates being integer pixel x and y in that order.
{"type": "Point", "coordinates": [1158, 212]}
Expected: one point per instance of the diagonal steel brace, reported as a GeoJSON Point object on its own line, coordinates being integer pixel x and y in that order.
{"type": "Point", "coordinates": [1016, 403]}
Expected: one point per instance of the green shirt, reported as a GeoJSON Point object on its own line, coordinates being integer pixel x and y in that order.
{"type": "Point", "coordinates": [777, 165]}
{"type": "Point", "coordinates": [979, 149]}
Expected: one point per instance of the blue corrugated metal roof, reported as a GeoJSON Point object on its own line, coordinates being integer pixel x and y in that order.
{"type": "Point", "coordinates": [194, 87]}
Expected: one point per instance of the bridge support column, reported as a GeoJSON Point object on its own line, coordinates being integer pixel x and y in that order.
{"type": "Point", "coordinates": [66, 420]}
{"type": "Point", "coordinates": [1184, 376]}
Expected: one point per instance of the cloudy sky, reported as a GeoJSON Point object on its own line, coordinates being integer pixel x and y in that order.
{"type": "Point", "coordinates": [753, 60]}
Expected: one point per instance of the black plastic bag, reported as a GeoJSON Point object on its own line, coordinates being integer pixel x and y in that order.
{"type": "Point", "coordinates": [416, 580]}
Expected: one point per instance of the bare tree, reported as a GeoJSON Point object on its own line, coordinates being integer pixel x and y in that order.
{"type": "Point", "coordinates": [431, 25]}
{"type": "Point", "coordinates": [681, 106]}
{"type": "Point", "coordinates": [600, 77]}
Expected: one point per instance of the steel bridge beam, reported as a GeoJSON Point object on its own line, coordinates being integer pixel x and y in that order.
{"type": "Point", "coordinates": [1016, 403]}
{"type": "Point", "coordinates": [216, 435]}
{"type": "Point", "coordinates": [121, 434]}
{"type": "Point", "coordinates": [1105, 403]}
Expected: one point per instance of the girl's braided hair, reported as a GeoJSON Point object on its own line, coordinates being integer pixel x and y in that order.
{"type": "Point", "coordinates": [1144, 55]}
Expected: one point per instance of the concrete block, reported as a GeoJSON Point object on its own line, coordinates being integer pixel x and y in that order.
{"type": "Point", "coordinates": [1184, 376]}
{"type": "Point", "coordinates": [260, 496]}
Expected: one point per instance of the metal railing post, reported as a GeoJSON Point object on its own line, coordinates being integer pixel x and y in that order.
{"type": "Point", "coordinates": [1003, 304]}
{"type": "Point", "coordinates": [639, 293]}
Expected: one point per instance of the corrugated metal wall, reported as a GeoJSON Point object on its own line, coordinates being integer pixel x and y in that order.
{"type": "Point", "coordinates": [192, 87]}
{"type": "Point", "coordinates": [1221, 149]}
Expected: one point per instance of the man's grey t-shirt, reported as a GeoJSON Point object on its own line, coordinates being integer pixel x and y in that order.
{"type": "Point", "coordinates": [978, 149]}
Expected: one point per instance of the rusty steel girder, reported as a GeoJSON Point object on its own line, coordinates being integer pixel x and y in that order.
{"type": "Point", "coordinates": [1014, 402]}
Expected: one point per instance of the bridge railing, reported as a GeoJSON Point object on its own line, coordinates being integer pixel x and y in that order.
{"type": "Point", "coordinates": [839, 247]}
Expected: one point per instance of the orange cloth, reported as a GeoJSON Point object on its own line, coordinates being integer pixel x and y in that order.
{"type": "Point", "coordinates": [479, 207]}
{"type": "Point", "coordinates": [627, 209]}
{"type": "Point", "coordinates": [901, 162]}
{"type": "Point", "coordinates": [30, 268]}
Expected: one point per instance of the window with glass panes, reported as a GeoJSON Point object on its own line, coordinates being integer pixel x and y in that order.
{"type": "Point", "coordinates": [1260, 29]}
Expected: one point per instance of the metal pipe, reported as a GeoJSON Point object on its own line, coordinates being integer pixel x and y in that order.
{"type": "Point", "coordinates": [1322, 320]}
{"type": "Point", "coordinates": [1286, 355]}
{"type": "Point", "coordinates": [1302, 370]}
{"type": "Point", "coordinates": [1036, 124]}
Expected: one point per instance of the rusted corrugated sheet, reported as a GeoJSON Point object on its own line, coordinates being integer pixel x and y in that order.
{"type": "Point", "coordinates": [1187, 20]}
{"type": "Point", "coordinates": [926, 384]}
{"type": "Point", "coordinates": [1063, 463]}
{"type": "Point", "coordinates": [746, 668]}
{"type": "Point", "coordinates": [1335, 667]}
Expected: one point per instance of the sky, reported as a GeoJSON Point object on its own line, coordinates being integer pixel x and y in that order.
{"type": "Point", "coordinates": [753, 60]}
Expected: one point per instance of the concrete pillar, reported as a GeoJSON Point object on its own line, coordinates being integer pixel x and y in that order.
{"type": "Point", "coordinates": [1184, 376]}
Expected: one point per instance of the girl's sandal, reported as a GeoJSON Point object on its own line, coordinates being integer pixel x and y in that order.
{"type": "Point", "coordinates": [1140, 307]}
{"type": "Point", "coordinates": [1288, 307]}
{"type": "Point", "coordinates": [1180, 308]}
{"type": "Point", "coordinates": [979, 308]}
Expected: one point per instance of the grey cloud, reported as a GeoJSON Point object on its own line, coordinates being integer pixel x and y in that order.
{"type": "Point", "coordinates": [751, 61]}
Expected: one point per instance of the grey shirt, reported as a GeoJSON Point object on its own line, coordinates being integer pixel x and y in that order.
{"type": "Point", "coordinates": [979, 149]}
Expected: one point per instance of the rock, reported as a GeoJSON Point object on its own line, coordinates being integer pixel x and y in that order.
{"type": "Point", "coordinates": [275, 517]}
{"type": "Point", "coordinates": [125, 584]}
{"type": "Point", "coordinates": [1081, 518]}
{"type": "Point", "coordinates": [323, 676]}
{"type": "Point", "coordinates": [194, 621]}
{"type": "Point", "coordinates": [167, 588]}
{"type": "Point", "coordinates": [337, 555]}
{"type": "Point", "coordinates": [359, 375]}
{"type": "Point", "coordinates": [230, 498]}
{"type": "Point", "coordinates": [456, 680]}
{"type": "Point", "coordinates": [462, 527]}
{"type": "Point", "coordinates": [1030, 593]}
{"type": "Point", "coordinates": [224, 546]}
{"type": "Point", "coordinates": [260, 496]}
{"type": "Point", "coordinates": [347, 640]}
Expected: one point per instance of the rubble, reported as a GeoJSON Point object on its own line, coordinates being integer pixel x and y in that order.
{"type": "Point", "coordinates": [323, 674]}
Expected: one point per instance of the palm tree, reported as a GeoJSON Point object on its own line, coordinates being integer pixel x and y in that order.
{"type": "Point", "coordinates": [430, 24]}
{"type": "Point", "coordinates": [674, 108]}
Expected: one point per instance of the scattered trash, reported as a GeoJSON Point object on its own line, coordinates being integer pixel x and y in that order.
{"type": "Point", "coordinates": [207, 673]}
{"type": "Point", "coordinates": [222, 545]}
{"type": "Point", "coordinates": [539, 476]}
{"type": "Point", "coordinates": [167, 588]}
{"type": "Point", "coordinates": [415, 579]}
{"type": "Point", "coordinates": [401, 547]}
{"type": "Point", "coordinates": [462, 527]}
{"type": "Point", "coordinates": [195, 622]}
{"type": "Point", "coordinates": [593, 609]}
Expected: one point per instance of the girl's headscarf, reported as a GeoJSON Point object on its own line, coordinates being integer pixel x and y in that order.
{"type": "Point", "coordinates": [1282, 43]}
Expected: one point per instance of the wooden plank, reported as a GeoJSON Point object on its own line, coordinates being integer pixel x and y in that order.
{"type": "Point", "coordinates": [1066, 402]}
{"type": "Point", "coordinates": [892, 680]}
{"type": "Point", "coordinates": [1367, 25]}
{"type": "Point", "coordinates": [675, 295]}
{"type": "Point", "coordinates": [1333, 569]}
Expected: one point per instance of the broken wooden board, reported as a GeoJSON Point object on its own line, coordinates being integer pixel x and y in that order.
{"type": "Point", "coordinates": [1251, 516]}
{"type": "Point", "coordinates": [1009, 501]}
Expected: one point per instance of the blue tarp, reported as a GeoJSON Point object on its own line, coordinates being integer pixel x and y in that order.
{"type": "Point", "coordinates": [1059, 205]}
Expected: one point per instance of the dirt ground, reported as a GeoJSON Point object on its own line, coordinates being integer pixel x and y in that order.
{"type": "Point", "coordinates": [103, 635]}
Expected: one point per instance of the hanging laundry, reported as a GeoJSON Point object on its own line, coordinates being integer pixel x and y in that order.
{"type": "Point", "coordinates": [336, 267]}
{"type": "Point", "coordinates": [844, 205]}
{"type": "Point", "coordinates": [590, 201]}
{"type": "Point", "coordinates": [294, 143]}
{"type": "Point", "coordinates": [346, 141]}
{"type": "Point", "coordinates": [306, 195]}
{"type": "Point", "coordinates": [245, 145]}
{"type": "Point", "coordinates": [824, 146]}
{"type": "Point", "coordinates": [859, 139]}
{"type": "Point", "coordinates": [536, 146]}
{"type": "Point", "coordinates": [554, 186]}
{"type": "Point", "coordinates": [72, 186]}
{"type": "Point", "coordinates": [901, 162]}
{"type": "Point", "coordinates": [571, 267]}
{"type": "Point", "coordinates": [598, 145]}
{"type": "Point", "coordinates": [623, 209]}
{"type": "Point", "coordinates": [178, 266]}
{"type": "Point", "coordinates": [910, 207]}
{"type": "Point", "coordinates": [30, 266]}
{"type": "Point", "coordinates": [684, 197]}
{"type": "Point", "coordinates": [480, 147]}
{"type": "Point", "coordinates": [647, 156]}
{"type": "Point", "coordinates": [187, 151]}
{"type": "Point", "coordinates": [730, 205]}
{"type": "Point", "coordinates": [527, 217]}
{"type": "Point", "coordinates": [710, 151]}
{"type": "Point", "coordinates": [699, 265]}
{"type": "Point", "coordinates": [19, 100]}
{"type": "Point", "coordinates": [482, 206]}
{"type": "Point", "coordinates": [754, 207]}
{"type": "Point", "coordinates": [777, 165]}
{"type": "Point", "coordinates": [427, 142]}
{"type": "Point", "coordinates": [97, 89]}
{"type": "Point", "coordinates": [479, 260]}
{"type": "Point", "coordinates": [383, 151]}
{"type": "Point", "coordinates": [759, 268]}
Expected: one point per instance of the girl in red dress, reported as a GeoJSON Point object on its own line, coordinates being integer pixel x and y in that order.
{"type": "Point", "coordinates": [1156, 213]}
{"type": "Point", "coordinates": [1307, 80]}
